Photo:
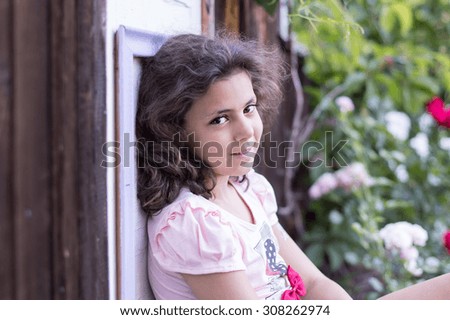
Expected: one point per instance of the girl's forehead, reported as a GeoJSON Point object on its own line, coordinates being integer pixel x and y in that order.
{"type": "Point", "coordinates": [231, 88]}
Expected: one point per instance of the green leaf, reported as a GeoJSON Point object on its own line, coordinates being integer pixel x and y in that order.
{"type": "Point", "coordinates": [405, 17]}
{"type": "Point", "coordinates": [269, 5]}
{"type": "Point", "coordinates": [351, 258]}
{"type": "Point", "coordinates": [446, 80]}
{"type": "Point", "coordinates": [354, 81]}
{"type": "Point", "coordinates": [376, 284]}
{"type": "Point", "coordinates": [387, 19]}
{"type": "Point", "coordinates": [397, 12]}
{"type": "Point", "coordinates": [397, 204]}
{"type": "Point", "coordinates": [427, 83]}
{"type": "Point", "coordinates": [336, 258]}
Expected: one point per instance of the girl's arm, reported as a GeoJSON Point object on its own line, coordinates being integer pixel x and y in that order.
{"type": "Point", "coordinates": [221, 286]}
{"type": "Point", "coordinates": [434, 289]}
{"type": "Point", "coordinates": [236, 286]}
{"type": "Point", "coordinates": [318, 286]}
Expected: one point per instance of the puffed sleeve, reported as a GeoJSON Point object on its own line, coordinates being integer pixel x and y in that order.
{"type": "Point", "coordinates": [192, 239]}
{"type": "Point", "coordinates": [265, 194]}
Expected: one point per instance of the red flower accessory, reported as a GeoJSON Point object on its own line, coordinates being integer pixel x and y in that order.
{"type": "Point", "coordinates": [437, 109]}
{"type": "Point", "coordinates": [298, 287]}
{"type": "Point", "coordinates": [446, 240]}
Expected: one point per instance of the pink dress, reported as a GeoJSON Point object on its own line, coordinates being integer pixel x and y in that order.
{"type": "Point", "coordinates": [193, 235]}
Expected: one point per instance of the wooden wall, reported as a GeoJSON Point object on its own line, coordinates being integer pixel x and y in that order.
{"type": "Point", "coordinates": [53, 230]}
{"type": "Point", "coordinates": [52, 125]}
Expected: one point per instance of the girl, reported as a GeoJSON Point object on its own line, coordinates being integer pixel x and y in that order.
{"type": "Point", "coordinates": [213, 230]}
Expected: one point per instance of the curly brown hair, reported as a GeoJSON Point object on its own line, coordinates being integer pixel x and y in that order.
{"type": "Point", "coordinates": [179, 73]}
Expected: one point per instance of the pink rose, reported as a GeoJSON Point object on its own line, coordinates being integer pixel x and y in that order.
{"type": "Point", "coordinates": [315, 192]}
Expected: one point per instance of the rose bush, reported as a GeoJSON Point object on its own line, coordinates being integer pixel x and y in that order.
{"type": "Point", "coordinates": [396, 132]}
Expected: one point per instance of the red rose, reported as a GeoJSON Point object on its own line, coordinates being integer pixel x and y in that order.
{"type": "Point", "coordinates": [437, 109]}
{"type": "Point", "coordinates": [446, 240]}
{"type": "Point", "coordinates": [389, 61]}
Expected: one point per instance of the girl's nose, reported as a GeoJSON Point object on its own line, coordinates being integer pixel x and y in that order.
{"type": "Point", "coordinates": [243, 129]}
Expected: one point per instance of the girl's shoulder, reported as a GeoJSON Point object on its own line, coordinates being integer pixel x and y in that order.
{"type": "Point", "coordinates": [189, 225]}
{"type": "Point", "coordinates": [188, 209]}
{"type": "Point", "coordinates": [261, 187]}
{"type": "Point", "coordinates": [258, 182]}
{"type": "Point", "coordinates": [186, 199]}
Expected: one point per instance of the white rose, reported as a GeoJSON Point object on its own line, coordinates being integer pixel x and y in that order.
{"type": "Point", "coordinates": [402, 173]}
{"type": "Point", "coordinates": [419, 235]}
{"type": "Point", "coordinates": [410, 253]}
{"type": "Point", "coordinates": [401, 239]}
{"type": "Point", "coordinates": [397, 235]}
{"type": "Point", "coordinates": [412, 267]}
{"type": "Point", "coordinates": [425, 122]}
{"type": "Point", "coordinates": [361, 175]}
{"type": "Point", "coordinates": [345, 104]}
{"type": "Point", "coordinates": [398, 124]}
{"type": "Point", "coordinates": [420, 144]}
{"type": "Point", "coordinates": [444, 143]}
{"type": "Point", "coordinates": [433, 179]}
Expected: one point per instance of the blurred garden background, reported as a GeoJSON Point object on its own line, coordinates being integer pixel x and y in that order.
{"type": "Point", "coordinates": [375, 200]}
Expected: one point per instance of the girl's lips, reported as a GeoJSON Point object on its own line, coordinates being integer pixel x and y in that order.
{"type": "Point", "coordinates": [247, 148]}
{"type": "Point", "coordinates": [248, 152]}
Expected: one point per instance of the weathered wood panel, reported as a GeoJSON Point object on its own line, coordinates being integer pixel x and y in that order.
{"type": "Point", "coordinates": [91, 81]}
{"type": "Point", "coordinates": [64, 167]}
{"type": "Point", "coordinates": [31, 161]}
{"type": "Point", "coordinates": [53, 239]}
{"type": "Point", "coordinates": [258, 24]}
{"type": "Point", "coordinates": [6, 117]}
{"type": "Point", "coordinates": [227, 13]}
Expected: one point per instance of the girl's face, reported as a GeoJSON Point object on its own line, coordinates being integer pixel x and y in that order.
{"type": "Point", "coordinates": [225, 127]}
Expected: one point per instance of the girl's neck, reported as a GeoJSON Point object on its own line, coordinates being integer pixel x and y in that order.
{"type": "Point", "coordinates": [228, 198]}
{"type": "Point", "coordinates": [222, 188]}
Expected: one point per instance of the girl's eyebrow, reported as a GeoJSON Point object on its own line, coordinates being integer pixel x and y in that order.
{"type": "Point", "coordinates": [252, 100]}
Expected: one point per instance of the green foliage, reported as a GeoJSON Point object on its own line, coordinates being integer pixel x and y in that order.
{"type": "Point", "coordinates": [391, 56]}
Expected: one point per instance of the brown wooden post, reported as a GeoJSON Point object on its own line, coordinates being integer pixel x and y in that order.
{"type": "Point", "coordinates": [91, 103]}
{"type": "Point", "coordinates": [53, 231]}
{"type": "Point", "coordinates": [31, 161]}
{"type": "Point", "coordinates": [258, 24]}
{"type": "Point", "coordinates": [7, 274]}
{"type": "Point", "coordinates": [64, 192]}
{"type": "Point", "coordinates": [232, 15]}
{"type": "Point", "coordinates": [227, 14]}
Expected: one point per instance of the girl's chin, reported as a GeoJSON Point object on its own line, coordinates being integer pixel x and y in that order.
{"type": "Point", "coordinates": [237, 171]}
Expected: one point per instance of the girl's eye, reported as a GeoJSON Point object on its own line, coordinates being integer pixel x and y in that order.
{"type": "Point", "coordinates": [219, 120]}
{"type": "Point", "coordinates": [250, 108]}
